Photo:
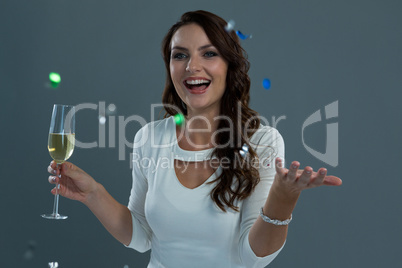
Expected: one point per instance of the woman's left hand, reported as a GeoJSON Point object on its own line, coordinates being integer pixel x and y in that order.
{"type": "Point", "coordinates": [294, 180]}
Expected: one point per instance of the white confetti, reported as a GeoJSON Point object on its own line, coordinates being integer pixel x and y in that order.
{"type": "Point", "coordinates": [230, 26]}
{"type": "Point", "coordinates": [102, 120]}
{"type": "Point", "coordinates": [111, 107]}
{"type": "Point", "coordinates": [53, 264]}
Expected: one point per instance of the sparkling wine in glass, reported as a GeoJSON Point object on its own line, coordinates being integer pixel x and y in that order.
{"type": "Point", "coordinates": [60, 145]}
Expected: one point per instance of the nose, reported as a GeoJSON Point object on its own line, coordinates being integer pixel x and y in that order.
{"type": "Point", "coordinates": [193, 65]}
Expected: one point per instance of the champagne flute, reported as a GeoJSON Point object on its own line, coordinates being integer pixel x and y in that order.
{"type": "Point", "coordinates": [60, 145]}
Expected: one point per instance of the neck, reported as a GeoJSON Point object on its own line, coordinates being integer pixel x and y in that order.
{"type": "Point", "coordinates": [200, 127]}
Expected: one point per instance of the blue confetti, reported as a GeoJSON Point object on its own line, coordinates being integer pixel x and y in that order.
{"type": "Point", "coordinates": [243, 36]}
{"type": "Point", "coordinates": [266, 83]}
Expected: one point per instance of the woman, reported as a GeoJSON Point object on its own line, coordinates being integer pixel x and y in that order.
{"type": "Point", "coordinates": [214, 203]}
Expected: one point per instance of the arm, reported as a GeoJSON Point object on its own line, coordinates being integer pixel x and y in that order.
{"type": "Point", "coordinates": [115, 217]}
{"type": "Point", "coordinates": [266, 238]}
{"type": "Point", "coordinates": [269, 144]}
{"type": "Point", "coordinates": [78, 185]}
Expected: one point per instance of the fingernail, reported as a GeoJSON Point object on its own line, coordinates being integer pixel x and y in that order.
{"type": "Point", "coordinates": [294, 166]}
{"type": "Point", "coordinates": [54, 171]}
{"type": "Point", "coordinates": [308, 171]}
{"type": "Point", "coordinates": [54, 179]}
{"type": "Point", "coordinates": [322, 172]}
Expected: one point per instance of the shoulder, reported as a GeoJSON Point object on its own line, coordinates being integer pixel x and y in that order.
{"type": "Point", "coordinates": [162, 124]}
{"type": "Point", "coordinates": [266, 135]}
{"type": "Point", "coordinates": [268, 145]}
{"type": "Point", "coordinates": [154, 130]}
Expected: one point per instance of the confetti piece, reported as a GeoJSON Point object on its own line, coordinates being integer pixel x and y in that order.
{"type": "Point", "coordinates": [102, 120]}
{"type": "Point", "coordinates": [230, 26]}
{"type": "Point", "coordinates": [245, 147]}
{"type": "Point", "coordinates": [29, 255]}
{"type": "Point", "coordinates": [243, 154]}
{"type": "Point", "coordinates": [267, 162]}
{"type": "Point", "coordinates": [244, 150]}
{"type": "Point", "coordinates": [30, 252]}
{"type": "Point", "coordinates": [266, 83]}
{"type": "Point", "coordinates": [53, 264]}
{"type": "Point", "coordinates": [179, 119]}
{"type": "Point", "coordinates": [55, 79]}
{"type": "Point", "coordinates": [111, 107]}
{"type": "Point", "coordinates": [243, 36]}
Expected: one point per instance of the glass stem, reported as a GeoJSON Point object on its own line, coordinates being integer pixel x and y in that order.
{"type": "Point", "coordinates": [56, 196]}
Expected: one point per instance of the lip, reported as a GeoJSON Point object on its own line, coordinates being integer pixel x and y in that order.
{"type": "Point", "coordinates": [196, 91]}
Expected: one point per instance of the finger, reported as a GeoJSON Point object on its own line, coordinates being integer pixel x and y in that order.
{"type": "Point", "coordinates": [332, 181]}
{"type": "Point", "coordinates": [279, 167]}
{"type": "Point", "coordinates": [51, 170]}
{"type": "Point", "coordinates": [59, 190]}
{"type": "Point", "coordinates": [53, 179]}
{"type": "Point", "coordinates": [53, 165]}
{"type": "Point", "coordinates": [55, 191]}
{"type": "Point", "coordinates": [305, 177]}
{"type": "Point", "coordinates": [317, 178]}
{"type": "Point", "coordinates": [293, 170]}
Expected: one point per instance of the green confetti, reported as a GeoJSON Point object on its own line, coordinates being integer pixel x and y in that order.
{"type": "Point", "coordinates": [179, 119]}
{"type": "Point", "coordinates": [54, 78]}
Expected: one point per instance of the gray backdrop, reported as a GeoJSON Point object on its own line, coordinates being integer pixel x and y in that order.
{"type": "Point", "coordinates": [315, 52]}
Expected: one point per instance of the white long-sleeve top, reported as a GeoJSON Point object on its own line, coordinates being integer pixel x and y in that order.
{"type": "Point", "coordinates": [183, 227]}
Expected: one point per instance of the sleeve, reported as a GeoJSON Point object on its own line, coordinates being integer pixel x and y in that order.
{"type": "Point", "coordinates": [141, 236]}
{"type": "Point", "coordinates": [270, 145]}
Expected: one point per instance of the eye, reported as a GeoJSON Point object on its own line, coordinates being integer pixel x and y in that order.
{"type": "Point", "coordinates": [179, 56]}
{"type": "Point", "coordinates": [210, 54]}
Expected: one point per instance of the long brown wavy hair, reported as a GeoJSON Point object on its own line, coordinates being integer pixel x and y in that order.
{"type": "Point", "coordinates": [236, 182]}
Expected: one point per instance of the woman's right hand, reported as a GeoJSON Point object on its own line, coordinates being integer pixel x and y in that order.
{"type": "Point", "coordinates": [74, 183]}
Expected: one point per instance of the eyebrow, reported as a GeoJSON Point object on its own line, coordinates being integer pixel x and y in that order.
{"type": "Point", "coordinates": [185, 49]}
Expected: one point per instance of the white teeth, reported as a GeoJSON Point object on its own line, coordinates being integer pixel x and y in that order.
{"type": "Point", "coordinates": [196, 82]}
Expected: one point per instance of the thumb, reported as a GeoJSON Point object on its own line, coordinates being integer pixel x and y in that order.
{"type": "Point", "coordinates": [332, 181]}
{"type": "Point", "coordinates": [279, 166]}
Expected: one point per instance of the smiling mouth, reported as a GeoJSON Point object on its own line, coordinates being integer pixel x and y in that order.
{"type": "Point", "coordinates": [199, 84]}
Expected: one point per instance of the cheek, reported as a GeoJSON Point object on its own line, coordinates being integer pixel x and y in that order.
{"type": "Point", "coordinates": [175, 76]}
{"type": "Point", "coordinates": [172, 70]}
{"type": "Point", "coordinates": [175, 73]}
{"type": "Point", "coordinates": [222, 71]}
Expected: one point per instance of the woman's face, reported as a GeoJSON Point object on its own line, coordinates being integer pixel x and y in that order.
{"type": "Point", "coordinates": [197, 70]}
